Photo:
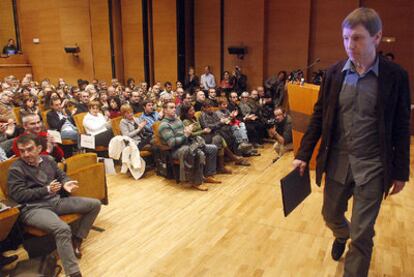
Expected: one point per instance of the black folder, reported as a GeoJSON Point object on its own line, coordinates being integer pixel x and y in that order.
{"type": "Point", "coordinates": [295, 189]}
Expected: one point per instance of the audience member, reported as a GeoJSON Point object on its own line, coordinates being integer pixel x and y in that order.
{"type": "Point", "coordinates": [36, 182]}
{"type": "Point", "coordinates": [60, 119]}
{"type": "Point", "coordinates": [200, 99]}
{"type": "Point", "coordinates": [134, 127]}
{"type": "Point", "coordinates": [114, 107]}
{"type": "Point", "coordinates": [135, 102]}
{"type": "Point", "coordinates": [202, 166]}
{"type": "Point", "coordinates": [82, 106]}
{"type": "Point", "coordinates": [191, 80]}
{"type": "Point", "coordinates": [97, 125]}
{"type": "Point", "coordinates": [33, 125]}
{"type": "Point", "coordinates": [207, 80]}
{"type": "Point", "coordinates": [239, 80]}
{"type": "Point", "coordinates": [281, 132]}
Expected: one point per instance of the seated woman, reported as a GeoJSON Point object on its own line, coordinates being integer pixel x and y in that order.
{"type": "Point", "coordinates": [188, 118]}
{"type": "Point", "coordinates": [134, 127]}
{"type": "Point", "coordinates": [97, 125]}
{"type": "Point", "coordinates": [114, 106]}
{"type": "Point", "coordinates": [29, 106]}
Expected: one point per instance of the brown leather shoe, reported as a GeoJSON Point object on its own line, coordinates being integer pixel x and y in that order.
{"type": "Point", "coordinates": [77, 243]}
{"type": "Point", "coordinates": [201, 187]}
{"type": "Point", "coordinates": [211, 180]}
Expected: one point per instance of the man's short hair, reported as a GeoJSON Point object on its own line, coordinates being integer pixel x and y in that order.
{"type": "Point", "coordinates": [165, 104]}
{"type": "Point", "coordinates": [26, 138]}
{"type": "Point", "coordinates": [167, 84]}
{"type": "Point", "coordinates": [145, 102]}
{"type": "Point", "coordinates": [26, 118]}
{"type": "Point", "coordinates": [222, 100]}
{"type": "Point", "coordinates": [280, 108]}
{"type": "Point", "coordinates": [367, 17]}
{"type": "Point", "coordinates": [53, 99]}
{"type": "Point", "coordinates": [245, 94]}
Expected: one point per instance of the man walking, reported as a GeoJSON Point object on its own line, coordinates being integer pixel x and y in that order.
{"type": "Point", "coordinates": [362, 117]}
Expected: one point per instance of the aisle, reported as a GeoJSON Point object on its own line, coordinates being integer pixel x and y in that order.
{"type": "Point", "coordinates": [157, 228]}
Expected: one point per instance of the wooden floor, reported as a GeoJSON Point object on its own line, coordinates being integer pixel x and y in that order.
{"type": "Point", "coordinates": [157, 228]}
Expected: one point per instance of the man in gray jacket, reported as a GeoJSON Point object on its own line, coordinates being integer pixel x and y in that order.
{"type": "Point", "coordinates": [39, 185]}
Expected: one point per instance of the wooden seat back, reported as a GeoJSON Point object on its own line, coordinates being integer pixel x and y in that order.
{"type": "Point", "coordinates": [115, 122]}
{"type": "Point", "coordinates": [78, 118]}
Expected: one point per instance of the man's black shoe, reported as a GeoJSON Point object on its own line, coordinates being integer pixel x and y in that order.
{"type": "Point", "coordinates": [338, 249]}
{"type": "Point", "coordinates": [7, 260]}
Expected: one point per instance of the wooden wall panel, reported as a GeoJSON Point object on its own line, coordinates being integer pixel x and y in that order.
{"type": "Point", "coordinates": [287, 33]}
{"type": "Point", "coordinates": [60, 23]}
{"type": "Point", "coordinates": [133, 48]}
{"type": "Point", "coordinates": [326, 34]}
{"type": "Point", "coordinates": [207, 39]}
{"type": "Point", "coordinates": [244, 26]}
{"type": "Point", "coordinates": [39, 20]}
{"type": "Point", "coordinates": [75, 30]}
{"type": "Point", "coordinates": [7, 30]}
{"type": "Point", "coordinates": [101, 47]}
{"type": "Point", "coordinates": [165, 40]}
{"type": "Point", "coordinates": [398, 21]}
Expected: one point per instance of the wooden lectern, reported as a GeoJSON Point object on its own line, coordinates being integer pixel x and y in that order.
{"type": "Point", "coordinates": [301, 102]}
{"type": "Point", "coordinates": [16, 65]}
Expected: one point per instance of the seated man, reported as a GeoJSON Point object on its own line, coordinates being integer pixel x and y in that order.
{"type": "Point", "coordinates": [82, 106]}
{"type": "Point", "coordinates": [60, 119]}
{"type": "Point", "coordinates": [33, 125]}
{"type": "Point", "coordinates": [282, 132]}
{"type": "Point", "coordinates": [135, 102]}
{"type": "Point", "coordinates": [38, 184]}
{"type": "Point", "coordinates": [149, 115]}
{"type": "Point", "coordinates": [251, 117]}
{"type": "Point", "coordinates": [173, 134]}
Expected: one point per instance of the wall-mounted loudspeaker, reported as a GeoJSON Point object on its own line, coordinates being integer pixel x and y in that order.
{"type": "Point", "coordinates": [239, 51]}
{"type": "Point", "coordinates": [72, 49]}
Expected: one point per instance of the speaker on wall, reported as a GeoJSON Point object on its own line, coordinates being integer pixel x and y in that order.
{"type": "Point", "coordinates": [72, 49]}
{"type": "Point", "coordinates": [239, 51]}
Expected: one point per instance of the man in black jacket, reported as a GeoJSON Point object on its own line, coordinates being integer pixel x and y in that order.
{"type": "Point", "coordinates": [362, 117]}
{"type": "Point", "coordinates": [61, 120]}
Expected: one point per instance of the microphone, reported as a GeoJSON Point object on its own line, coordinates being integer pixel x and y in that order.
{"type": "Point", "coordinates": [312, 64]}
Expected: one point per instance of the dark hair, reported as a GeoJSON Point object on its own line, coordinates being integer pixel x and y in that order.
{"type": "Point", "coordinates": [164, 106]}
{"type": "Point", "coordinates": [53, 99]}
{"type": "Point", "coordinates": [26, 138]}
{"type": "Point", "coordinates": [72, 89]}
{"type": "Point", "coordinates": [25, 99]}
{"type": "Point", "coordinates": [184, 111]}
{"type": "Point", "coordinates": [280, 108]}
{"type": "Point", "coordinates": [367, 17]}
{"type": "Point", "coordinates": [167, 84]}
{"type": "Point", "coordinates": [117, 101]}
{"type": "Point", "coordinates": [145, 102]}
{"type": "Point", "coordinates": [391, 55]}
{"type": "Point", "coordinates": [284, 74]}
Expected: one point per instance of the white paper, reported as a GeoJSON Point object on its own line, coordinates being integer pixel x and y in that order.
{"type": "Point", "coordinates": [87, 141]}
{"type": "Point", "coordinates": [56, 136]}
{"type": "Point", "coordinates": [109, 166]}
